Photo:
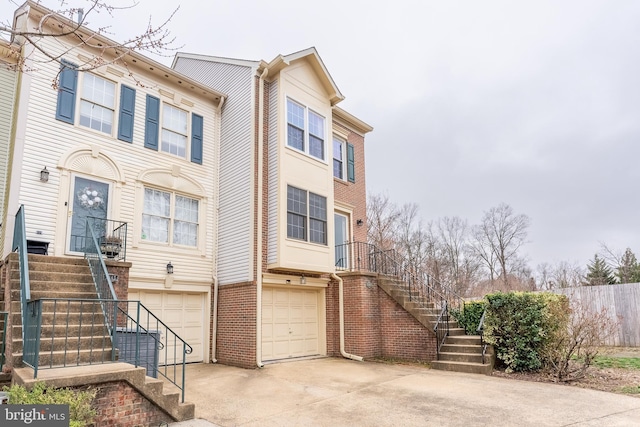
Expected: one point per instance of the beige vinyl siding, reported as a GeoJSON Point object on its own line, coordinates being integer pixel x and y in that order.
{"type": "Point", "coordinates": [8, 81]}
{"type": "Point", "coordinates": [272, 218]}
{"type": "Point", "coordinates": [48, 141]}
{"type": "Point", "coordinates": [236, 238]}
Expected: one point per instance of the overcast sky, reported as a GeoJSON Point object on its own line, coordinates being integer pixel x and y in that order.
{"type": "Point", "coordinates": [473, 103]}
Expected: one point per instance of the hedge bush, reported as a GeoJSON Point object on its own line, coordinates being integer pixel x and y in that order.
{"type": "Point", "coordinates": [80, 411]}
{"type": "Point", "coordinates": [520, 325]}
{"type": "Point", "coordinates": [469, 318]}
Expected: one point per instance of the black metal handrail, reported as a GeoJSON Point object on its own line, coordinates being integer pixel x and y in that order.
{"type": "Point", "coordinates": [422, 286]}
{"type": "Point", "coordinates": [74, 331]}
{"type": "Point", "coordinates": [480, 331]}
{"type": "Point", "coordinates": [441, 328]}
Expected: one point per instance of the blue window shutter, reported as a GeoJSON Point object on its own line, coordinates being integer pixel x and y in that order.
{"type": "Point", "coordinates": [196, 138]}
{"type": "Point", "coordinates": [66, 107]}
{"type": "Point", "coordinates": [351, 165]}
{"type": "Point", "coordinates": [127, 109]}
{"type": "Point", "coordinates": [152, 123]}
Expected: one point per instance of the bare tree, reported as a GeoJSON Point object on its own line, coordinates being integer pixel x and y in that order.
{"type": "Point", "coordinates": [498, 239]}
{"type": "Point", "coordinates": [382, 219]}
{"type": "Point", "coordinates": [66, 29]}
{"type": "Point", "coordinates": [460, 263]}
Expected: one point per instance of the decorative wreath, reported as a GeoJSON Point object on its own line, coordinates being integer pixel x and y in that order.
{"type": "Point", "coordinates": [90, 198]}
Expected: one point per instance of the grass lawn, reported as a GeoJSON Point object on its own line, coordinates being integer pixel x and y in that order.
{"type": "Point", "coordinates": [617, 362]}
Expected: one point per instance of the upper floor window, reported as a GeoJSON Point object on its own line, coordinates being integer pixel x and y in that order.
{"type": "Point", "coordinates": [343, 160]}
{"type": "Point", "coordinates": [305, 130]}
{"type": "Point", "coordinates": [306, 216]}
{"type": "Point", "coordinates": [174, 131]}
{"type": "Point", "coordinates": [170, 218]}
{"type": "Point", "coordinates": [97, 103]}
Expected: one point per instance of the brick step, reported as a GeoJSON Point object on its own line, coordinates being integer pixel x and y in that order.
{"type": "Point", "coordinates": [47, 259]}
{"type": "Point", "coordinates": [467, 367]}
{"type": "Point", "coordinates": [47, 344]}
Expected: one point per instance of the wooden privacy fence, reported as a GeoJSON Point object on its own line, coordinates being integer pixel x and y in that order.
{"type": "Point", "coordinates": [621, 301]}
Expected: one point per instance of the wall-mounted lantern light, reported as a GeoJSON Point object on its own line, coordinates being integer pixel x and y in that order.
{"type": "Point", "coordinates": [44, 175]}
{"type": "Point", "coordinates": [359, 222]}
{"type": "Point", "coordinates": [169, 268]}
{"type": "Point", "coordinates": [303, 280]}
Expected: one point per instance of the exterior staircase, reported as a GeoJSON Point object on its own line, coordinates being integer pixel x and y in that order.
{"type": "Point", "coordinates": [75, 334]}
{"type": "Point", "coordinates": [460, 352]}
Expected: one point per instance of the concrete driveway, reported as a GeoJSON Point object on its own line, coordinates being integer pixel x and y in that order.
{"type": "Point", "coordinates": [340, 392]}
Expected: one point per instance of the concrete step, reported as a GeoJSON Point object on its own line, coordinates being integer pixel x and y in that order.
{"type": "Point", "coordinates": [86, 330]}
{"type": "Point", "coordinates": [72, 358]}
{"type": "Point", "coordinates": [56, 260]}
{"type": "Point", "coordinates": [462, 357]}
{"type": "Point", "coordinates": [83, 276]}
{"type": "Point", "coordinates": [464, 339]}
{"type": "Point", "coordinates": [80, 315]}
{"type": "Point", "coordinates": [467, 367]}
{"type": "Point", "coordinates": [38, 294]}
{"type": "Point", "coordinates": [59, 343]}
{"type": "Point", "coordinates": [461, 348]}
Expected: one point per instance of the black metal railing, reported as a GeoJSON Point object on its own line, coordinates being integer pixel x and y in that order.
{"type": "Point", "coordinates": [422, 286]}
{"type": "Point", "coordinates": [480, 331]}
{"type": "Point", "coordinates": [441, 327]}
{"type": "Point", "coordinates": [20, 245]}
{"type": "Point", "coordinates": [4, 317]}
{"type": "Point", "coordinates": [74, 332]}
{"type": "Point", "coordinates": [99, 272]}
{"type": "Point", "coordinates": [111, 236]}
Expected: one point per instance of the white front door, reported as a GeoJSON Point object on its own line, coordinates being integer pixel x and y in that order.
{"type": "Point", "coordinates": [88, 198]}
{"type": "Point", "coordinates": [341, 239]}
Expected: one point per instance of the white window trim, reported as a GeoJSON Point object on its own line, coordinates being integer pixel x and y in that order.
{"type": "Point", "coordinates": [172, 201]}
{"type": "Point", "coordinates": [308, 218]}
{"type": "Point", "coordinates": [306, 133]}
{"type": "Point", "coordinates": [343, 143]}
{"type": "Point", "coordinates": [116, 105]}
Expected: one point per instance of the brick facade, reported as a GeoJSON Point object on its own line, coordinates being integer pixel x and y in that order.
{"type": "Point", "coordinates": [119, 404]}
{"type": "Point", "coordinates": [236, 341]}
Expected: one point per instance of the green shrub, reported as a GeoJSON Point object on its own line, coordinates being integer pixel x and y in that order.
{"type": "Point", "coordinates": [469, 318]}
{"type": "Point", "coordinates": [521, 325]}
{"type": "Point", "coordinates": [80, 411]}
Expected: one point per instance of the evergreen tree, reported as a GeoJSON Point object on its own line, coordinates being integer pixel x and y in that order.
{"type": "Point", "coordinates": [629, 270]}
{"type": "Point", "coordinates": [599, 273]}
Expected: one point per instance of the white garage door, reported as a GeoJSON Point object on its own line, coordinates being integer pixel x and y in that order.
{"type": "Point", "coordinates": [289, 323]}
{"type": "Point", "coordinates": [183, 312]}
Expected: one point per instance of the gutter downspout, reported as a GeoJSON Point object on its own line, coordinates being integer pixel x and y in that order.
{"type": "Point", "coordinates": [259, 230]}
{"type": "Point", "coordinates": [341, 306]}
{"type": "Point", "coordinates": [214, 332]}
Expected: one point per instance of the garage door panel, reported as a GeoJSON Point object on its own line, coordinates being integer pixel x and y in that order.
{"type": "Point", "coordinates": [289, 323]}
{"type": "Point", "coordinates": [182, 312]}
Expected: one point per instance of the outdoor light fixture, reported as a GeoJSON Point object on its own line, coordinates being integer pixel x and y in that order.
{"type": "Point", "coordinates": [169, 268]}
{"type": "Point", "coordinates": [44, 175]}
{"type": "Point", "coordinates": [303, 280]}
{"type": "Point", "coordinates": [359, 222]}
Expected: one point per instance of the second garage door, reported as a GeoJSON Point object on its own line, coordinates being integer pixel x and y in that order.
{"type": "Point", "coordinates": [183, 312]}
{"type": "Point", "coordinates": [290, 326]}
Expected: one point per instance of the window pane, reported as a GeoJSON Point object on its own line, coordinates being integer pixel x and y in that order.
{"type": "Point", "coordinates": [296, 228]}
{"type": "Point", "coordinates": [296, 201]}
{"type": "Point", "coordinates": [98, 90]}
{"type": "Point", "coordinates": [316, 125]}
{"type": "Point", "coordinates": [317, 218]}
{"type": "Point", "coordinates": [295, 137]}
{"type": "Point", "coordinates": [316, 147]}
{"type": "Point", "coordinates": [295, 114]}
{"type": "Point", "coordinates": [155, 217]}
{"type": "Point", "coordinates": [174, 119]}
{"type": "Point", "coordinates": [338, 159]}
{"type": "Point", "coordinates": [185, 226]}
{"type": "Point", "coordinates": [174, 143]}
